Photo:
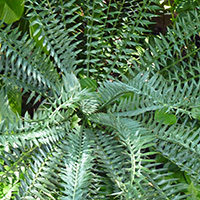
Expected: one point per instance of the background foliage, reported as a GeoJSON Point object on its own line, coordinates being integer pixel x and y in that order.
{"type": "Point", "coordinates": [99, 100]}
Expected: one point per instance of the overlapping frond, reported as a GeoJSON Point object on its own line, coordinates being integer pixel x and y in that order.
{"type": "Point", "coordinates": [41, 179]}
{"type": "Point", "coordinates": [176, 54]}
{"type": "Point", "coordinates": [104, 143]}
{"type": "Point", "coordinates": [164, 185]}
{"type": "Point", "coordinates": [35, 157]}
{"type": "Point", "coordinates": [149, 93]}
{"type": "Point", "coordinates": [180, 145]}
{"type": "Point", "coordinates": [19, 63]}
{"type": "Point", "coordinates": [127, 153]}
{"type": "Point", "coordinates": [53, 26]}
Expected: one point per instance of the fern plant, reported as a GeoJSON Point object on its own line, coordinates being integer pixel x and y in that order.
{"type": "Point", "coordinates": [119, 107]}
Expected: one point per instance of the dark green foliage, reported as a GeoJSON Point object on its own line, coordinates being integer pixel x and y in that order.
{"type": "Point", "coordinates": [118, 114]}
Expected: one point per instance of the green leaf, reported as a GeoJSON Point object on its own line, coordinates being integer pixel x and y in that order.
{"type": "Point", "coordinates": [195, 112]}
{"type": "Point", "coordinates": [184, 5]}
{"type": "Point", "coordinates": [194, 192]}
{"type": "Point", "coordinates": [11, 10]}
{"type": "Point", "coordinates": [88, 83]}
{"type": "Point", "coordinates": [74, 121]}
{"type": "Point", "coordinates": [37, 33]}
{"type": "Point", "coordinates": [161, 115]}
{"type": "Point", "coordinates": [5, 108]}
{"type": "Point", "coordinates": [15, 99]}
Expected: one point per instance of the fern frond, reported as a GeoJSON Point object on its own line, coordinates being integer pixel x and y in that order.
{"type": "Point", "coordinates": [18, 60]}
{"type": "Point", "coordinates": [134, 140]}
{"type": "Point", "coordinates": [175, 55]}
{"type": "Point", "coordinates": [163, 185]}
{"type": "Point", "coordinates": [77, 164]}
{"type": "Point", "coordinates": [150, 93]}
{"type": "Point", "coordinates": [41, 178]}
{"type": "Point", "coordinates": [56, 34]}
{"type": "Point", "coordinates": [182, 148]}
{"type": "Point", "coordinates": [110, 157]}
{"type": "Point", "coordinates": [179, 143]}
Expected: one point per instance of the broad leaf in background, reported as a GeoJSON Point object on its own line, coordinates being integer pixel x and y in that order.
{"type": "Point", "coordinates": [194, 190]}
{"type": "Point", "coordinates": [15, 99]}
{"type": "Point", "coordinates": [166, 118]}
{"type": "Point", "coordinates": [88, 83]}
{"type": "Point", "coordinates": [6, 113]}
{"type": "Point", "coordinates": [11, 10]}
{"type": "Point", "coordinates": [196, 113]}
{"type": "Point", "coordinates": [185, 5]}
{"type": "Point", "coordinates": [37, 32]}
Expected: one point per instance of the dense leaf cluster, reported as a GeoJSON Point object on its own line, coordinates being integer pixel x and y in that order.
{"type": "Point", "coordinates": [118, 108]}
